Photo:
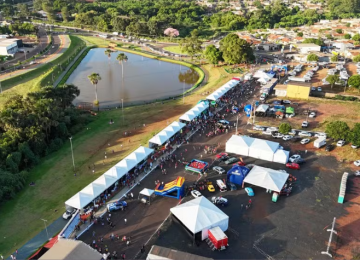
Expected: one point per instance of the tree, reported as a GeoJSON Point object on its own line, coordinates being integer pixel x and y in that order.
{"type": "Point", "coordinates": [47, 7]}
{"type": "Point", "coordinates": [347, 36]}
{"type": "Point", "coordinates": [65, 13]}
{"type": "Point", "coordinates": [122, 58]}
{"type": "Point", "coordinates": [236, 50]}
{"type": "Point", "coordinates": [23, 10]}
{"type": "Point", "coordinates": [356, 37]}
{"type": "Point", "coordinates": [108, 53]}
{"type": "Point", "coordinates": [7, 10]}
{"type": "Point", "coordinates": [212, 54]}
{"type": "Point", "coordinates": [94, 79]}
{"type": "Point", "coordinates": [312, 57]}
{"type": "Point", "coordinates": [354, 135]}
{"type": "Point", "coordinates": [356, 58]}
{"type": "Point", "coordinates": [328, 36]}
{"type": "Point", "coordinates": [334, 58]}
{"type": "Point", "coordinates": [120, 23]}
{"type": "Point", "coordinates": [338, 130]}
{"type": "Point", "coordinates": [332, 79]}
{"type": "Point", "coordinates": [354, 81]}
{"type": "Point", "coordinates": [258, 4]}
{"type": "Point", "coordinates": [300, 34]}
{"type": "Point", "coordinates": [284, 128]}
{"type": "Point", "coordinates": [171, 32]}
{"type": "Point", "coordinates": [191, 45]}
{"type": "Point", "coordinates": [339, 30]}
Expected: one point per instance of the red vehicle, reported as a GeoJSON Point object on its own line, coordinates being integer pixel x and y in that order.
{"type": "Point", "coordinates": [293, 166]}
{"type": "Point", "coordinates": [221, 155]}
{"type": "Point", "coordinates": [240, 163]}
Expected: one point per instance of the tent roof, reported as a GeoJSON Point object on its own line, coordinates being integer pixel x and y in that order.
{"type": "Point", "coordinates": [198, 214]}
{"type": "Point", "coordinates": [242, 140]}
{"type": "Point", "coordinates": [265, 145]}
{"type": "Point", "coordinates": [116, 172]}
{"type": "Point", "coordinates": [194, 112]}
{"type": "Point", "coordinates": [281, 152]}
{"type": "Point", "coordinates": [222, 90]}
{"type": "Point", "coordinates": [167, 133]}
{"type": "Point", "coordinates": [266, 178]}
{"type": "Point", "coordinates": [147, 192]}
{"type": "Point", "coordinates": [290, 110]}
{"type": "Point", "coordinates": [262, 108]}
{"type": "Point", "coordinates": [79, 200]}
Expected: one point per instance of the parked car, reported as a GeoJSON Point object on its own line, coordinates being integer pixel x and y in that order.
{"type": "Point", "coordinates": [304, 133]}
{"type": "Point", "coordinates": [267, 132]}
{"type": "Point", "coordinates": [305, 141]}
{"type": "Point", "coordinates": [218, 169]}
{"type": "Point", "coordinates": [258, 128]}
{"type": "Point", "coordinates": [340, 143]}
{"type": "Point", "coordinates": [299, 161]}
{"type": "Point", "coordinates": [357, 173]}
{"type": "Point", "coordinates": [294, 157]}
{"type": "Point", "coordinates": [196, 193]}
{"type": "Point", "coordinates": [292, 132]}
{"type": "Point", "coordinates": [211, 188]}
{"type": "Point", "coordinates": [239, 163]}
{"type": "Point", "coordinates": [321, 135]}
{"type": "Point", "coordinates": [354, 146]}
{"type": "Point", "coordinates": [305, 124]}
{"type": "Point", "coordinates": [220, 155]}
{"type": "Point", "coordinates": [219, 201]}
{"type": "Point", "coordinates": [277, 135]}
{"type": "Point", "coordinates": [68, 213]}
{"type": "Point", "coordinates": [223, 124]}
{"type": "Point", "coordinates": [249, 191]}
{"type": "Point", "coordinates": [357, 163]}
{"type": "Point", "coordinates": [231, 160]}
{"type": "Point", "coordinates": [312, 115]}
{"type": "Point", "coordinates": [287, 137]}
{"type": "Point", "coordinates": [293, 166]}
{"type": "Point", "coordinates": [286, 101]}
{"type": "Point", "coordinates": [120, 204]}
{"type": "Point", "coordinates": [273, 128]}
{"type": "Point", "coordinates": [329, 147]}
{"type": "Point", "coordinates": [319, 89]}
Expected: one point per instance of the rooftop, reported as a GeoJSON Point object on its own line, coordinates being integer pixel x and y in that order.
{"type": "Point", "coordinates": [301, 84]}
{"type": "Point", "coordinates": [167, 253]}
{"type": "Point", "coordinates": [7, 41]}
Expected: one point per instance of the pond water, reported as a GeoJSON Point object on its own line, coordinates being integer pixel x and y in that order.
{"type": "Point", "coordinates": [144, 79]}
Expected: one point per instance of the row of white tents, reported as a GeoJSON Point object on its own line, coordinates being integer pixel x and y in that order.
{"type": "Point", "coordinates": [194, 112]}
{"type": "Point", "coordinates": [263, 77]}
{"type": "Point", "coordinates": [257, 148]}
{"type": "Point", "coordinates": [222, 90]}
{"type": "Point", "coordinates": [94, 189]}
{"type": "Point", "coordinates": [164, 135]}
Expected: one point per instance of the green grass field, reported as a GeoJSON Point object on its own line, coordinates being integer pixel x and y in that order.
{"type": "Point", "coordinates": [42, 76]}
{"type": "Point", "coordinates": [54, 179]}
{"type": "Point", "coordinates": [174, 49]}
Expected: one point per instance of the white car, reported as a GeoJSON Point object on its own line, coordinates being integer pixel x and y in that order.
{"type": "Point", "coordinates": [287, 137]}
{"type": "Point", "coordinates": [319, 89]}
{"type": "Point", "coordinates": [286, 101]}
{"type": "Point", "coordinates": [312, 115]}
{"type": "Point", "coordinates": [354, 146]}
{"type": "Point", "coordinates": [357, 173]}
{"type": "Point", "coordinates": [304, 133]}
{"type": "Point", "coordinates": [292, 132]}
{"type": "Point", "coordinates": [357, 163]}
{"type": "Point", "coordinates": [313, 88]}
{"type": "Point", "coordinates": [286, 82]}
{"type": "Point", "coordinates": [218, 169]}
{"type": "Point", "coordinates": [305, 141]}
{"type": "Point", "coordinates": [277, 135]}
{"type": "Point", "coordinates": [321, 135]}
{"type": "Point", "coordinates": [259, 128]}
{"type": "Point", "coordinates": [196, 193]}
{"type": "Point", "coordinates": [266, 133]}
{"type": "Point", "coordinates": [273, 128]}
{"type": "Point", "coordinates": [340, 143]}
{"type": "Point", "coordinates": [68, 213]}
{"type": "Point", "coordinates": [305, 124]}
{"type": "Point", "coordinates": [294, 157]}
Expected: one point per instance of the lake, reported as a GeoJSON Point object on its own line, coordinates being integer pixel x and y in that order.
{"type": "Point", "coordinates": [144, 79]}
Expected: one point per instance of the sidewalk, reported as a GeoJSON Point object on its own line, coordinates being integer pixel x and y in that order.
{"type": "Point", "coordinates": [62, 75]}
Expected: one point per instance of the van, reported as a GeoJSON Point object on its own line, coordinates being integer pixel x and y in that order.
{"type": "Point", "coordinates": [221, 185]}
{"type": "Point", "coordinates": [320, 142]}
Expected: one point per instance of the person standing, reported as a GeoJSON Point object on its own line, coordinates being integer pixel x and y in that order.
{"type": "Point", "coordinates": [125, 220]}
{"type": "Point", "coordinates": [132, 195]}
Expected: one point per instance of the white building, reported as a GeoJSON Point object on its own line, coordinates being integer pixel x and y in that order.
{"type": "Point", "coordinates": [8, 46]}
{"type": "Point", "coordinates": [308, 47]}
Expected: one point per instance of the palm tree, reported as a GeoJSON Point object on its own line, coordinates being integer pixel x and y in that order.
{"type": "Point", "coordinates": [108, 53]}
{"type": "Point", "coordinates": [94, 79]}
{"type": "Point", "coordinates": [122, 58]}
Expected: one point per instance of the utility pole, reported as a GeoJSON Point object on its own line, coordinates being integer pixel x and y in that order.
{"type": "Point", "coordinates": [122, 109]}
{"type": "Point", "coordinates": [237, 122]}
{"type": "Point", "coordinates": [47, 234]}
{"type": "Point", "coordinates": [72, 152]}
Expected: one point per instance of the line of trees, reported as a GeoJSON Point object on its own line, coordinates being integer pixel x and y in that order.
{"type": "Point", "coordinates": [339, 130]}
{"type": "Point", "coordinates": [32, 127]}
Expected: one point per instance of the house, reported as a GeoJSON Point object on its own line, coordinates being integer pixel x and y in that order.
{"type": "Point", "coordinates": [298, 90]}
{"type": "Point", "coordinates": [308, 47]}
{"type": "Point", "coordinates": [42, 13]}
{"type": "Point", "coordinates": [8, 47]}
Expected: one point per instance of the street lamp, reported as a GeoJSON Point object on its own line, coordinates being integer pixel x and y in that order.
{"type": "Point", "coordinates": [47, 234]}
{"type": "Point", "coordinates": [122, 109]}
{"type": "Point", "coordinates": [72, 152]}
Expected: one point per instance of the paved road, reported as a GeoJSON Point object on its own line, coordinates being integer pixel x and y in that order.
{"type": "Point", "coordinates": [61, 44]}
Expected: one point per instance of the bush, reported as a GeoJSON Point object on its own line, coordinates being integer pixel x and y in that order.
{"type": "Point", "coordinates": [346, 98]}
{"type": "Point", "coordinates": [284, 128]}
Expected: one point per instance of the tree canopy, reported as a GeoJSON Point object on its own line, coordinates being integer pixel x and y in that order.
{"type": "Point", "coordinates": [236, 50]}
{"type": "Point", "coordinates": [332, 79]}
{"type": "Point", "coordinates": [338, 130]}
{"type": "Point", "coordinates": [284, 128]}
{"type": "Point", "coordinates": [354, 81]}
{"type": "Point", "coordinates": [312, 57]}
{"type": "Point", "coordinates": [212, 54]}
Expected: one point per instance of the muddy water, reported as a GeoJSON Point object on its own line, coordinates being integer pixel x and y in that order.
{"type": "Point", "coordinates": [144, 79]}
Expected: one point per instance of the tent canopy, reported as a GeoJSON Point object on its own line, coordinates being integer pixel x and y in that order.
{"type": "Point", "coordinates": [237, 174]}
{"type": "Point", "coordinates": [266, 178]}
{"type": "Point", "coordinates": [222, 90]}
{"type": "Point", "coordinates": [239, 144]}
{"type": "Point", "coordinates": [147, 192]}
{"type": "Point", "coordinates": [94, 189]}
{"type": "Point", "coordinates": [263, 149]}
{"type": "Point", "coordinates": [199, 214]}
{"type": "Point", "coordinates": [194, 112]}
{"type": "Point", "coordinates": [167, 133]}
{"type": "Point", "coordinates": [290, 110]}
{"type": "Point", "coordinates": [262, 108]}
{"type": "Point", "coordinates": [281, 156]}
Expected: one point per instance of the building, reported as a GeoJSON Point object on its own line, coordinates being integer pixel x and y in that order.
{"type": "Point", "coordinates": [280, 90]}
{"type": "Point", "coordinates": [308, 47]}
{"type": "Point", "coordinates": [8, 47]}
{"type": "Point", "coordinates": [163, 253]}
{"type": "Point", "coordinates": [298, 90]}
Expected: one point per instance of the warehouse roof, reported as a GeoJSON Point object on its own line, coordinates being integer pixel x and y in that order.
{"type": "Point", "coordinates": [304, 45]}
{"type": "Point", "coordinates": [159, 252]}
{"type": "Point", "coordinates": [6, 42]}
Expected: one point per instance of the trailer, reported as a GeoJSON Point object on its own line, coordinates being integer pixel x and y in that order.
{"type": "Point", "coordinates": [298, 79]}
{"type": "Point", "coordinates": [320, 142]}
{"type": "Point", "coordinates": [217, 239]}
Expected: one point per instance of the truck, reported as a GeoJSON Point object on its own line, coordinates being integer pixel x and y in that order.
{"type": "Point", "coordinates": [320, 142]}
{"type": "Point", "coordinates": [298, 79]}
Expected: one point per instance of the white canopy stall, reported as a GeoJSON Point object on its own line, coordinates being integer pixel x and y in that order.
{"type": "Point", "coordinates": [263, 149]}
{"type": "Point", "coordinates": [166, 134]}
{"type": "Point", "coordinates": [199, 215]}
{"type": "Point", "coordinates": [105, 181]}
{"type": "Point", "coordinates": [281, 156]}
{"type": "Point", "coordinates": [262, 108]}
{"type": "Point", "coordinates": [194, 112]}
{"type": "Point", "coordinates": [222, 90]}
{"type": "Point", "coordinates": [266, 178]}
{"type": "Point", "coordinates": [147, 193]}
{"type": "Point", "coordinates": [239, 145]}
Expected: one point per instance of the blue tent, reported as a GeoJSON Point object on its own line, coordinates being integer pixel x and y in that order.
{"type": "Point", "coordinates": [237, 174]}
{"type": "Point", "coordinates": [248, 108]}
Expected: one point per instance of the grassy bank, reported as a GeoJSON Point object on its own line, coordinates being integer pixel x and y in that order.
{"type": "Point", "coordinates": [41, 76]}
{"type": "Point", "coordinates": [174, 49]}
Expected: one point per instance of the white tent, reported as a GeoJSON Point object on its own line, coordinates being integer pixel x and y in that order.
{"type": "Point", "coordinates": [194, 112]}
{"type": "Point", "coordinates": [281, 156]}
{"type": "Point", "coordinates": [116, 172]}
{"type": "Point", "coordinates": [105, 180]}
{"type": "Point", "coordinates": [262, 108]}
{"type": "Point", "coordinates": [239, 145]}
{"type": "Point", "coordinates": [266, 178]}
{"type": "Point", "coordinates": [147, 192]}
{"type": "Point", "coordinates": [260, 74]}
{"type": "Point", "coordinates": [222, 90]}
{"type": "Point", "coordinates": [166, 134]}
{"type": "Point", "coordinates": [199, 215]}
{"type": "Point", "coordinates": [79, 200]}
{"type": "Point", "coordinates": [263, 149]}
